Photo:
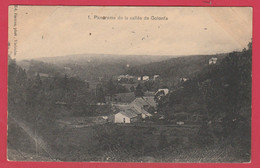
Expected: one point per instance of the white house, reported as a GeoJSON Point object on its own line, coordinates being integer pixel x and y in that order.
{"type": "Point", "coordinates": [145, 78]}
{"type": "Point", "coordinates": [127, 116]}
{"type": "Point", "coordinates": [183, 79]}
{"type": "Point", "coordinates": [213, 60]}
{"type": "Point", "coordinates": [164, 91]}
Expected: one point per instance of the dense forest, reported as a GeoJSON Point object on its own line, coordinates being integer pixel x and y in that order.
{"type": "Point", "coordinates": [221, 94]}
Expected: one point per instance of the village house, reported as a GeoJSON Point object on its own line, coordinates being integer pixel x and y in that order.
{"type": "Point", "coordinates": [146, 78]}
{"type": "Point", "coordinates": [142, 105]}
{"type": "Point", "coordinates": [213, 60]}
{"type": "Point", "coordinates": [127, 116]}
{"type": "Point", "coordinates": [156, 77]}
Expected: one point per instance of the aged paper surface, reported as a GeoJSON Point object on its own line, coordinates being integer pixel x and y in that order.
{"type": "Point", "coordinates": [129, 84]}
{"type": "Point", "coordinates": [166, 28]}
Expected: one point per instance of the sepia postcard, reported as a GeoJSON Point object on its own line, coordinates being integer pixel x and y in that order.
{"type": "Point", "coordinates": [129, 84]}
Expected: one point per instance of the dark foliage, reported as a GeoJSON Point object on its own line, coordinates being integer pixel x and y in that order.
{"type": "Point", "coordinates": [221, 96]}
{"type": "Point", "coordinates": [139, 91]}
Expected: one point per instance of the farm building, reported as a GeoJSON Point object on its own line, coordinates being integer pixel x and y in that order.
{"type": "Point", "coordinates": [146, 78]}
{"type": "Point", "coordinates": [127, 116]}
{"type": "Point", "coordinates": [142, 105]}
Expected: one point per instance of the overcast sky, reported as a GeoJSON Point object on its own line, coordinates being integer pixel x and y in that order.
{"type": "Point", "coordinates": [57, 31]}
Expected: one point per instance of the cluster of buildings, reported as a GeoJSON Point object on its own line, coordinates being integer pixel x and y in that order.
{"type": "Point", "coordinates": [125, 78]}
{"type": "Point", "coordinates": [140, 108]}
{"type": "Point", "coordinates": [213, 60]}
{"type": "Point", "coordinates": [147, 78]}
{"type": "Point", "coordinates": [129, 78]}
{"type": "Point", "coordinates": [137, 109]}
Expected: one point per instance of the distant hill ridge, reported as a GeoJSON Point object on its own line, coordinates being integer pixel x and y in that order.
{"type": "Point", "coordinates": [92, 66]}
{"type": "Point", "coordinates": [175, 68]}
{"type": "Point", "coordinates": [87, 58]}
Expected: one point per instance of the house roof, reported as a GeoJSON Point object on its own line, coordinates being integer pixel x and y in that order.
{"type": "Point", "coordinates": [141, 111]}
{"type": "Point", "coordinates": [140, 102]}
{"type": "Point", "coordinates": [132, 111]}
{"type": "Point", "coordinates": [150, 100]}
{"type": "Point", "coordinates": [129, 113]}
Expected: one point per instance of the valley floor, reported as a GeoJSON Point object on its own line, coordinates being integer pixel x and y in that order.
{"type": "Point", "coordinates": [108, 142]}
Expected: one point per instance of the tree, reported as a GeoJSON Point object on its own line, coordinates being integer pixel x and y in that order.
{"type": "Point", "coordinates": [149, 85]}
{"type": "Point", "coordinates": [121, 89]}
{"type": "Point", "coordinates": [100, 95]}
{"type": "Point", "coordinates": [65, 83]}
{"type": "Point", "coordinates": [110, 88]}
{"type": "Point", "coordinates": [139, 91]}
{"type": "Point", "coordinates": [132, 88]}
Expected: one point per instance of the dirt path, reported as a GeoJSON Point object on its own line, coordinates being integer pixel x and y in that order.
{"type": "Point", "coordinates": [36, 138]}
